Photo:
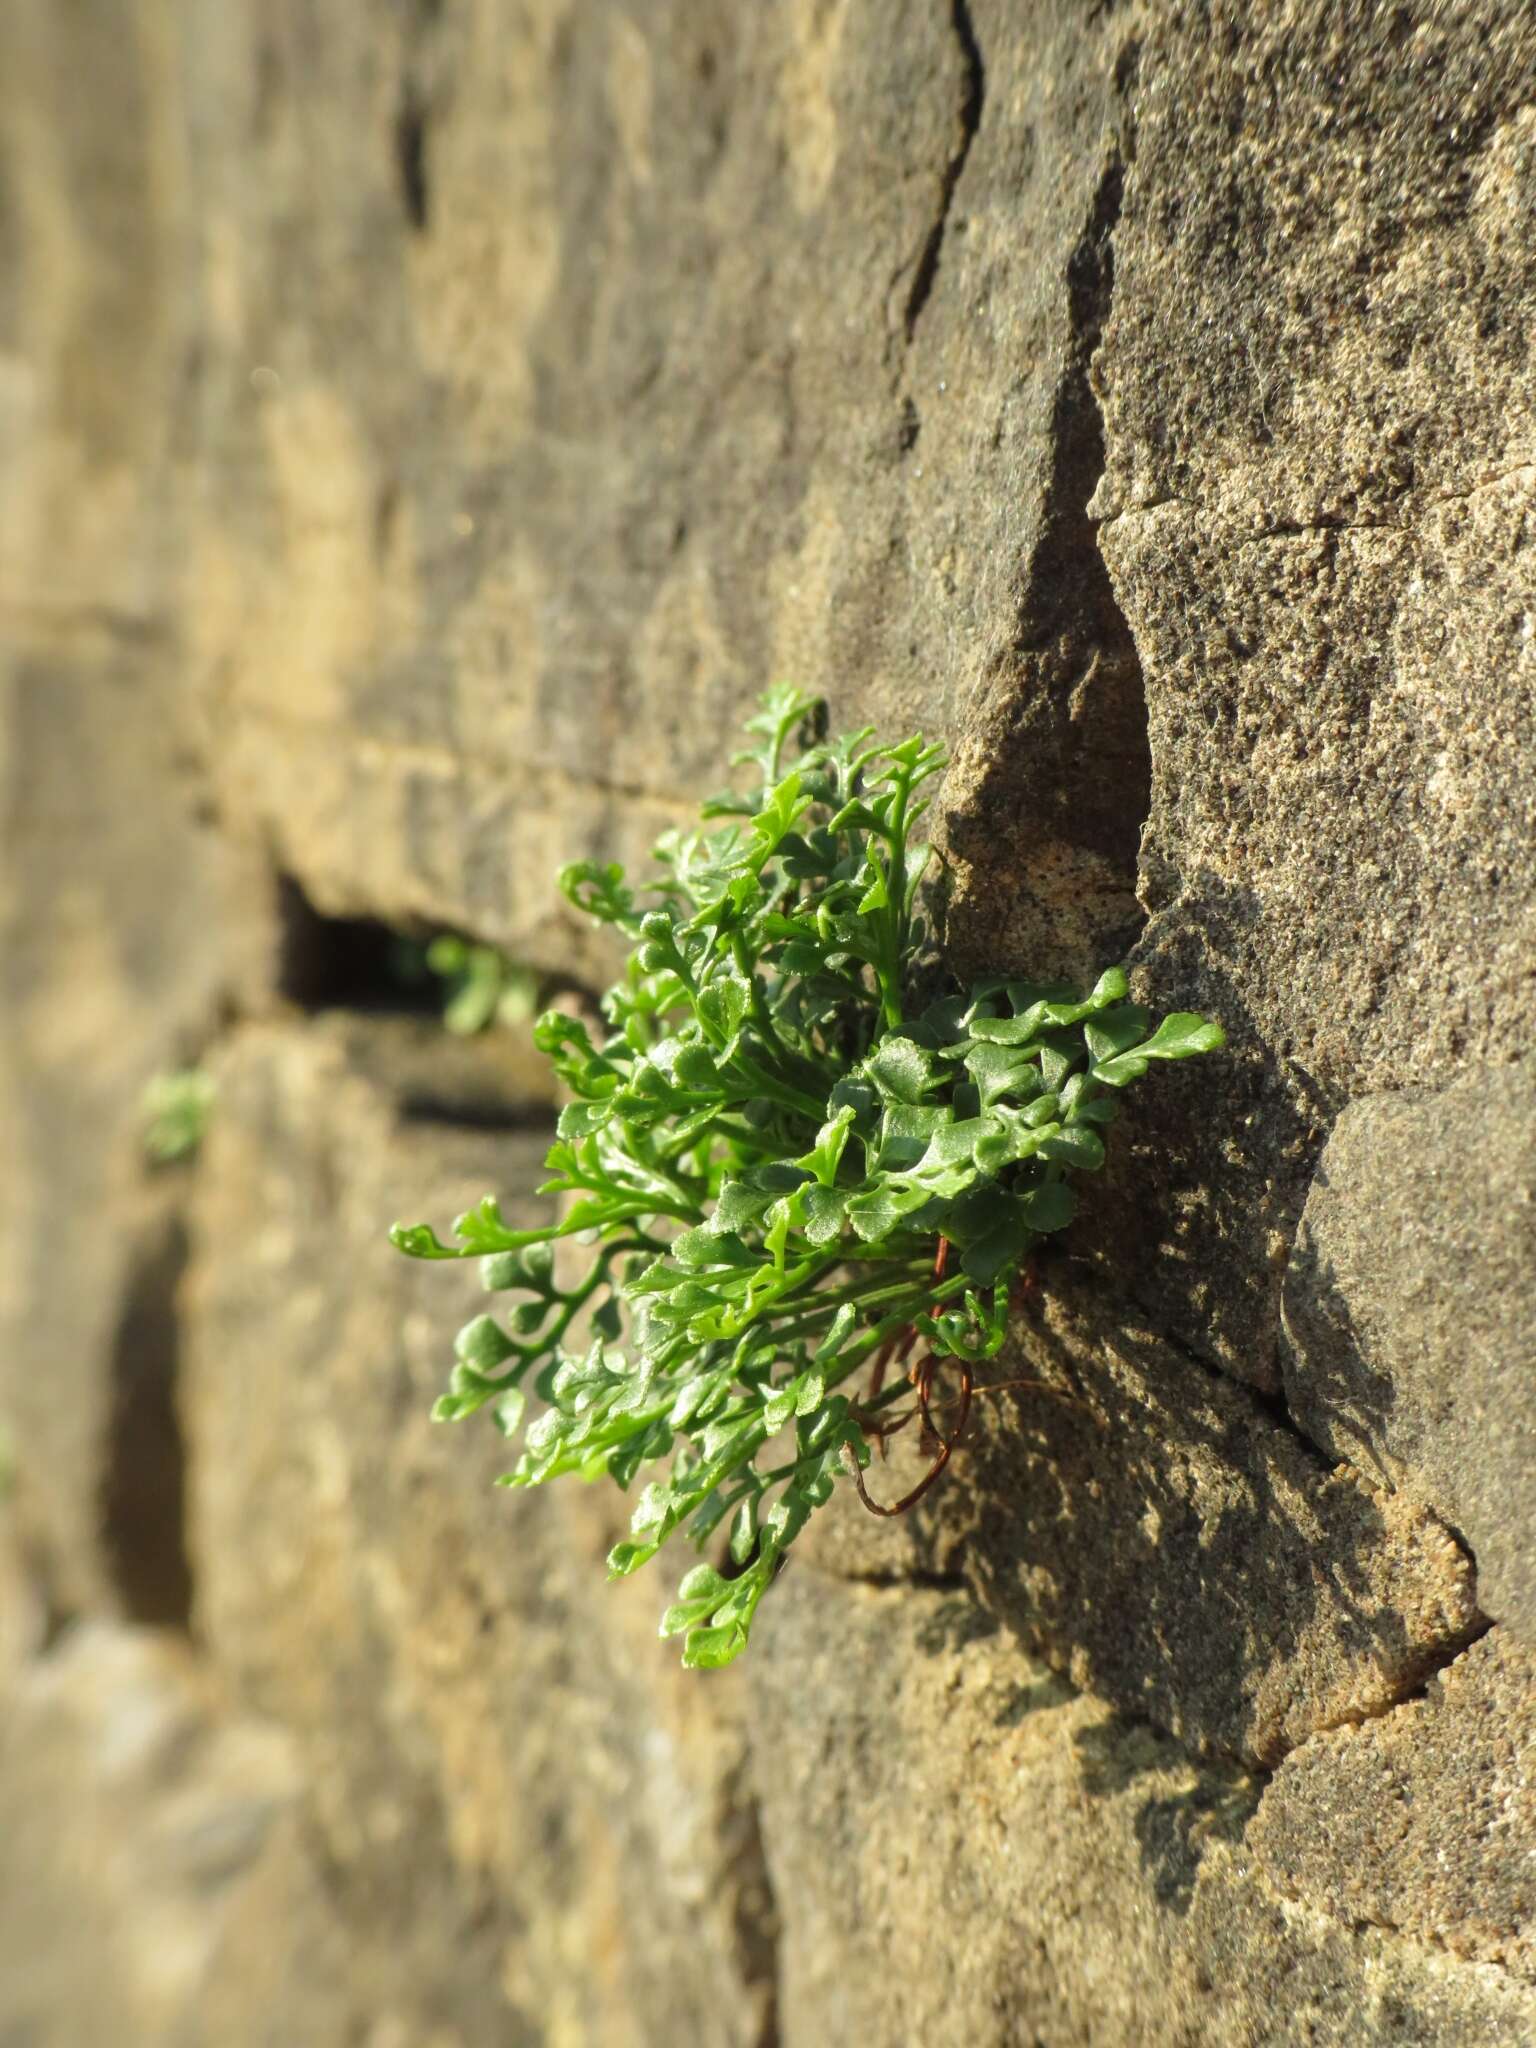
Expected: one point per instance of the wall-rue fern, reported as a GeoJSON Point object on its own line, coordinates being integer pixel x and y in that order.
{"type": "Point", "coordinates": [763, 1151]}
{"type": "Point", "coordinates": [176, 1107]}
{"type": "Point", "coordinates": [481, 985]}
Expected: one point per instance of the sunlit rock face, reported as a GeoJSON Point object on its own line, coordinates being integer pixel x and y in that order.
{"type": "Point", "coordinates": [425, 429]}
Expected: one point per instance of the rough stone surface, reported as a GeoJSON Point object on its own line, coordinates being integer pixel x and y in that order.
{"type": "Point", "coordinates": [23, 1617]}
{"type": "Point", "coordinates": [1410, 1312]}
{"type": "Point", "coordinates": [424, 428]}
{"type": "Point", "coordinates": [118, 939]}
{"type": "Point", "coordinates": [693, 413]}
{"type": "Point", "coordinates": [1422, 1821]}
{"type": "Point", "coordinates": [966, 1850]}
{"type": "Point", "coordinates": [1163, 1540]}
{"type": "Point", "coordinates": [1316, 515]}
{"type": "Point", "coordinates": [486, 1706]}
{"type": "Point", "coordinates": [133, 1807]}
{"type": "Point", "coordinates": [1383, 952]}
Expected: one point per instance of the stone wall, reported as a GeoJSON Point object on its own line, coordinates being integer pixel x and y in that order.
{"type": "Point", "coordinates": [425, 427]}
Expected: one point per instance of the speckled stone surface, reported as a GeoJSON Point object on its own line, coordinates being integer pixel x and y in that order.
{"type": "Point", "coordinates": [425, 428]}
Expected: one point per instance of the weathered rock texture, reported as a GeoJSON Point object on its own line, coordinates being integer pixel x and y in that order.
{"type": "Point", "coordinates": [424, 427]}
{"type": "Point", "coordinates": [1410, 1311]}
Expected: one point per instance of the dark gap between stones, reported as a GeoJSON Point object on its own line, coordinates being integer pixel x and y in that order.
{"type": "Point", "coordinates": [349, 963]}
{"type": "Point", "coordinates": [143, 1485]}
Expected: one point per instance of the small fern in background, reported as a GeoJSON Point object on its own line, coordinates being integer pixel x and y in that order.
{"type": "Point", "coordinates": [483, 987]}
{"type": "Point", "coordinates": [175, 1107]}
{"type": "Point", "coordinates": [784, 1167]}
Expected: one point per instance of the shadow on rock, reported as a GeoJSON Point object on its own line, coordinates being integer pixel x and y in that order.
{"type": "Point", "coordinates": [1167, 1543]}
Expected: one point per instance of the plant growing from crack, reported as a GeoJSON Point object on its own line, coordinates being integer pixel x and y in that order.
{"type": "Point", "coordinates": [481, 987]}
{"type": "Point", "coordinates": [788, 1160]}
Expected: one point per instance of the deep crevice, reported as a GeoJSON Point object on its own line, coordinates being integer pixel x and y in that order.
{"type": "Point", "coordinates": [411, 163]}
{"type": "Point", "coordinates": [375, 980]}
{"type": "Point", "coordinates": [885, 1580]}
{"type": "Point", "coordinates": [143, 1486]}
{"type": "Point", "coordinates": [1071, 625]}
{"type": "Point", "coordinates": [426, 1106]}
{"type": "Point", "coordinates": [346, 963]}
{"type": "Point", "coordinates": [412, 132]}
{"type": "Point", "coordinates": [1054, 775]}
{"type": "Point", "coordinates": [756, 1926]}
{"type": "Point", "coordinates": [973, 94]}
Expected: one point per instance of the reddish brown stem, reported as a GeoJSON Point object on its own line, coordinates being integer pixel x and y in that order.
{"type": "Point", "coordinates": [923, 1381]}
{"type": "Point", "coordinates": [921, 1376]}
{"type": "Point", "coordinates": [879, 1428]}
{"type": "Point", "coordinates": [877, 1371]}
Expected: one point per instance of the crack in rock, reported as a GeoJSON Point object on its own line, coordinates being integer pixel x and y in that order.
{"type": "Point", "coordinates": [972, 98]}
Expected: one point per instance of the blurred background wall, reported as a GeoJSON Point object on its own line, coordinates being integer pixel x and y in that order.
{"type": "Point", "coordinates": [423, 428]}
